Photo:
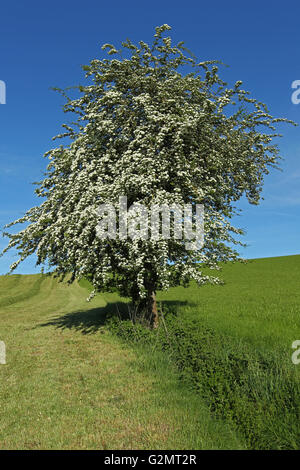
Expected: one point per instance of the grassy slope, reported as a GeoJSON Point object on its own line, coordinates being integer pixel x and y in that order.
{"type": "Point", "coordinates": [69, 384]}
{"type": "Point", "coordinates": [243, 367]}
{"type": "Point", "coordinates": [259, 303]}
{"type": "Point", "coordinates": [257, 312]}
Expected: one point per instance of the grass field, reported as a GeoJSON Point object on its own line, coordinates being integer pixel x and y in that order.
{"type": "Point", "coordinates": [259, 303]}
{"type": "Point", "coordinates": [254, 319]}
{"type": "Point", "coordinates": [71, 382]}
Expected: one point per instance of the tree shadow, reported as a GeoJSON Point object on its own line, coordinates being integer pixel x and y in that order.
{"type": "Point", "coordinates": [87, 321]}
{"type": "Point", "coordinates": [92, 320]}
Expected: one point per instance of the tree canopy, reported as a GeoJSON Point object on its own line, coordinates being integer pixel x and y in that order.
{"type": "Point", "coordinates": [146, 131]}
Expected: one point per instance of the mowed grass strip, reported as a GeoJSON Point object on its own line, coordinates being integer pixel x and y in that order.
{"type": "Point", "coordinates": [69, 384]}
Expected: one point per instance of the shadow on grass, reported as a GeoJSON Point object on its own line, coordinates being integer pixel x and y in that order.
{"type": "Point", "coordinates": [92, 320]}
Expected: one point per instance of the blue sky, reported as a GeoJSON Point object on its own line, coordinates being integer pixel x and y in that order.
{"type": "Point", "coordinates": [44, 44]}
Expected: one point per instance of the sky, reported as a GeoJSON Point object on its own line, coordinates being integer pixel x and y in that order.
{"type": "Point", "coordinates": [43, 45]}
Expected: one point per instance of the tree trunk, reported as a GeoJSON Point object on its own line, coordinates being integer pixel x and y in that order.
{"type": "Point", "coordinates": [147, 308]}
{"type": "Point", "coordinates": [154, 313]}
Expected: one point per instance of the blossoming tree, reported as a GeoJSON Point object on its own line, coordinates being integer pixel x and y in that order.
{"type": "Point", "coordinates": [150, 133]}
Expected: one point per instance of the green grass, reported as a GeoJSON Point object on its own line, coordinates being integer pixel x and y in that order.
{"type": "Point", "coordinates": [70, 384]}
{"type": "Point", "coordinates": [218, 374]}
{"type": "Point", "coordinates": [259, 303]}
{"type": "Point", "coordinates": [232, 343]}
